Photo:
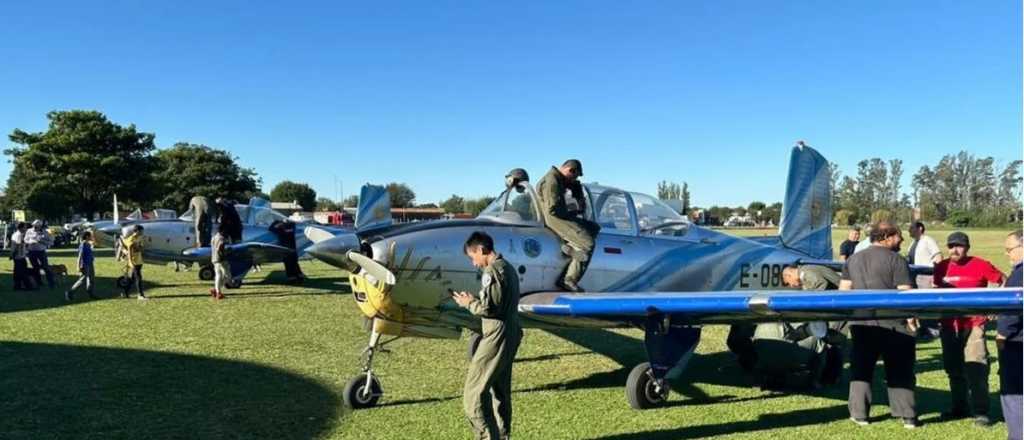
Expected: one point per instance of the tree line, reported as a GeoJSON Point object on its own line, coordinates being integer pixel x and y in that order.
{"type": "Point", "coordinates": [960, 190]}
{"type": "Point", "coordinates": [83, 159]}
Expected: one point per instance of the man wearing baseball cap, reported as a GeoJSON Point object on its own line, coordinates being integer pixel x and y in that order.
{"type": "Point", "coordinates": [964, 354]}
{"type": "Point", "coordinates": [572, 227]}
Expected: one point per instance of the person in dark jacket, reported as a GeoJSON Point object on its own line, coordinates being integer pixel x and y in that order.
{"type": "Point", "coordinates": [229, 221]}
{"type": "Point", "coordinates": [285, 232]}
{"type": "Point", "coordinates": [1008, 340]}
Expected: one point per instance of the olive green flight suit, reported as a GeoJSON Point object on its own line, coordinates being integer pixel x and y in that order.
{"type": "Point", "coordinates": [202, 217]}
{"type": "Point", "coordinates": [487, 396]}
{"type": "Point", "coordinates": [818, 278]}
{"type": "Point", "coordinates": [578, 233]}
{"type": "Point", "coordinates": [785, 350]}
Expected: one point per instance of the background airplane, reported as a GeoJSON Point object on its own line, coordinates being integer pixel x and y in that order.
{"type": "Point", "coordinates": [651, 269]}
{"type": "Point", "coordinates": [173, 240]}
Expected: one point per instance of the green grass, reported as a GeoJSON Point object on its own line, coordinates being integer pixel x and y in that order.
{"type": "Point", "coordinates": [271, 362]}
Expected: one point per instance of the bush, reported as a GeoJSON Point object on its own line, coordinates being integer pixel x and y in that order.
{"type": "Point", "coordinates": [960, 219]}
{"type": "Point", "coordinates": [881, 215]}
{"type": "Point", "coordinates": [843, 217]}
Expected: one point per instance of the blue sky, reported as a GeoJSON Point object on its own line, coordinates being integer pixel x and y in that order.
{"type": "Point", "coordinates": [447, 96]}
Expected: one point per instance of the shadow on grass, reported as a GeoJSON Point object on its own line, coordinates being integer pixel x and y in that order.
{"type": "Point", "coordinates": [46, 298]}
{"type": "Point", "coordinates": [764, 422]}
{"type": "Point", "coordinates": [329, 284]}
{"type": "Point", "coordinates": [61, 391]}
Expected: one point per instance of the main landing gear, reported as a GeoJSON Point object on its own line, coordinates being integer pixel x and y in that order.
{"type": "Point", "coordinates": [669, 349]}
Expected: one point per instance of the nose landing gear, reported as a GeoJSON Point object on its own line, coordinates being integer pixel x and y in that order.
{"type": "Point", "coordinates": [364, 390]}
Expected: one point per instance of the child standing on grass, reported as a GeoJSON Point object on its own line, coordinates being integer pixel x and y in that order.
{"type": "Point", "coordinates": [217, 257]}
{"type": "Point", "coordinates": [85, 268]}
{"type": "Point", "coordinates": [133, 252]}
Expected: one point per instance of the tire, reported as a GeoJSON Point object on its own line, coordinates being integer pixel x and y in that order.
{"type": "Point", "coordinates": [206, 273]}
{"type": "Point", "coordinates": [640, 389]}
{"type": "Point", "coordinates": [122, 282]}
{"type": "Point", "coordinates": [233, 284]}
{"type": "Point", "coordinates": [355, 395]}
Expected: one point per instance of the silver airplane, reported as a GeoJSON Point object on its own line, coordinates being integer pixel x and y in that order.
{"type": "Point", "coordinates": [651, 269]}
{"type": "Point", "coordinates": [173, 240]}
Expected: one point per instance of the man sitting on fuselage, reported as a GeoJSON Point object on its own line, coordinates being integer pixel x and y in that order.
{"type": "Point", "coordinates": [577, 232]}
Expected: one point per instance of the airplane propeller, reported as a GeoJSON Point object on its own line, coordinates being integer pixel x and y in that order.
{"type": "Point", "coordinates": [372, 267]}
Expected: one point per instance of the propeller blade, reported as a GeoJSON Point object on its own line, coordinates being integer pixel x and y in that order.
{"type": "Point", "coordinates": [372, 267]}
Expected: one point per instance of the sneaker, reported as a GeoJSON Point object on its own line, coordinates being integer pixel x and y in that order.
{"type": "Point", "coordinates": [213, 292]}
{"type": "Point", "coordinates": [911, 423]}
{"type": "Point", "coordinates": [143, 298]}
{"type": "Point", "coordinates": [67, 295]}
{"type": "Point", "coordinates": [860, 422]}
{"type": "Point", "coordinates": [982, 421]}
{"type": "Point", "coordinates": [219, 295]}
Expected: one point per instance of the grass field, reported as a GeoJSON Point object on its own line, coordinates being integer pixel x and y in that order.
{"type": "Point", "coordinates": [271, 362]}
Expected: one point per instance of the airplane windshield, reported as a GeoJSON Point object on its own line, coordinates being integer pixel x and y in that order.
{"type": "Point", "coordinates": [515, 205]}
{"type": "Point", "coordinates": [652, 214]}
{"type": "Point", "coordinates": [612, 209]}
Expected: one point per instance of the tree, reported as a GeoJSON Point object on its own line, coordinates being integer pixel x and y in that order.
{"type": "Point", "coordinates": [288, 191]}
{"type": "Point", "coordinates": [186, 170]}
{"type": "Point", "coordinates": [834, 176]}
{"type": "Point", "coordinates": [401, 195]}
{"type": "Point", "coordinates": [79, 162]}
{"type": "Point", "coordinates": [881, 215]}
{"type": "Point", "coordinates": [326, 204]}
{"type": "Point", "coordinates": [686, 197]}
{"type": "Point", "coordinates": [842, 217]}
{"type": "Point", "coordinates": [453, 205]}
{"type": "Point", "coordinates": [1010, 182]}
{"type": "Point", "coordinates": [668, 190]}
{"type": "Point", "coordinates": [351, 201]}
{"type": "Point", "coordinates": [475, 206]}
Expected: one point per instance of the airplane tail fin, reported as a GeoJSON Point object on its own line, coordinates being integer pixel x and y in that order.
{"type": "Point", "coordinates": [374, 209]}
{"type": "Point", "coordinates": [806, 224]}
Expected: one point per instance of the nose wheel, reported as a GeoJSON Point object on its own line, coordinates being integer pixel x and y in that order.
{"type": "Point", "coordinates": [364, 390]}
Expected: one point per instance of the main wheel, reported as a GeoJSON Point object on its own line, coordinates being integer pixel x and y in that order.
{"type": "Point", "coordinates": [233, 284]}
{"type": "Point", "coordinates": [357, 396]}
{"type": "Point", "coordinates": [206, 273]}
{"type": "Point", "coordinates": [642, 391]}
{"type": "Point", "coordinates": [122, 281]}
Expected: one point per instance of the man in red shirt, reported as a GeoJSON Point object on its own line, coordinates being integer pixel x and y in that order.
{"type": "Point", "coordinates": [963, 339]}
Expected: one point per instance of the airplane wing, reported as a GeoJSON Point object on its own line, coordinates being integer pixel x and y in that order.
{"type": "Point", "coordinates": [250, 252]}
{"type": "Point", "coordinates": [728, 307]}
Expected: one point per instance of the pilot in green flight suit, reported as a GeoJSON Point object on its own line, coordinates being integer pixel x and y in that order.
{"type": "Point", "coordinates": [578, 233]}
{"type": "Point", "coordinates": [798, 354]}
{"type": "Point", "coordinates": [487, 397]}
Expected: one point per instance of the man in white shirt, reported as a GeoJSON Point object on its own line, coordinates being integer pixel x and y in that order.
{"type": "Point", "coordinates": [924, 251]}
{"type": "Point", "coordinates": [38, 240]}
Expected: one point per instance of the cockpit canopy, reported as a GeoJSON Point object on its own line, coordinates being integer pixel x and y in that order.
{"type": "Point", "coordinates": [617, 211]}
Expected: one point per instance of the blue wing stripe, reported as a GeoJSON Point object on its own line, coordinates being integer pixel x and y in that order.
{"type": "Point", "coordinates": [778, 301]}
